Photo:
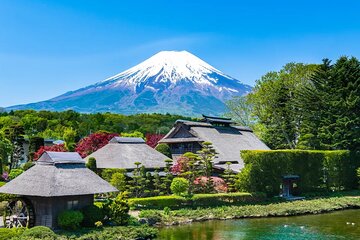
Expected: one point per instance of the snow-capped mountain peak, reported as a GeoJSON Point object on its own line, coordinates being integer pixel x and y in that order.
{"type": "Point", "coordinates": [169, 66]}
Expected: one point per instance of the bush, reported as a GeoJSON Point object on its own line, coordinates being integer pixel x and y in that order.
{"type": "Point", "coordinates": [70, 220]}
{"type": "Point", "coordinates": [116, 233]}
{"type": "Point", "coordinates": [40, 232]}
{"type": "Point", "coordinates": [8, 233]}
{"type": "Point", "coordinates": [358, 175]}
{"type": "Point", "coordinates": [91, 164]}
{"type": "Point", "coordinates": [318, 170]}
{"type": "Point", "coordinates": [4, 196]}
{"type": "Point", "coordinates": [151, 216]}
{"type": "Point", "coordinates": [158, 202]}
{"type": "Point", "coordinates": [118, 180]}
{"type": "Point", "coordinates": [14, 173]}
{"type": "Point", "coordinates": [92, 214]}
{"type": "Point", "coordinates": [27, 165]}
{"type": "Point", "coordinates": [164, 149]}
{"type": "Point", "coordinates": [180, 186]}
{"type": "Point", "coordinates": [197, 200]}
{"type": "Point", "coordinates": [119, 211]}
{"type": "Point", "coordinates": [107, 173]}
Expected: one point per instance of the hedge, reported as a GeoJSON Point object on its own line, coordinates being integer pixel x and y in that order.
{"type": "Point", "coordinates": [198, 200]}
{"type": "Point", "coordinates": [318, 170]}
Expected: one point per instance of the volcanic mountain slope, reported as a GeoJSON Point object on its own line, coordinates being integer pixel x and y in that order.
{"type": "Point", "coordinates": [168, 82]}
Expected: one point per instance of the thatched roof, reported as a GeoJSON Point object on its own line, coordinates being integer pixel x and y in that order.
{"type": "Point", "coordinates": [228, 141]}
{"type": "Point", "coordinates": [57, 174]}
{"type": "Point", "coordinates": [122, 152]}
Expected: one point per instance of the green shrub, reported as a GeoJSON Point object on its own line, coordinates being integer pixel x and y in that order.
{"type": "Point", "coordinates": [70, 220]}
{"type": "Point", "coordinates": [358, 175]}
{"type": "Point", "coordinates": [14, 173]}
{"type": "Point", "coordinates": [39, 232]}
{"type": "Point", "coordinates": [119, 210]}
{"type": "Point", "coordinates": [92, 214]}
{"type": "Point", "coordinates": [164, 149]}
{"type": "Point", "coordinates": [107, 173]}
{"type": "Point", "coordinates": [158, 202]}
{"type": "Point", "coordinates": [327, 170]}
{"type": "Point", "coordinates": [8, 233]}
{"type": "Point", "coordinates": [91, 164]}
{"type": "Point", "coordinates": [121, 232]}
{"type": "Point", "coordinates": [180, 186]}
{"type": "Point", "coordinates": [220, 199]}
{"type": "Point", "coordinates": [287, 208]}
{"type": "Point", "coordinates": [27, 165]}
{"type": "Point", "coordinates": [197, 200]}
{"type": "Point", "coordinates": [152, 216]}
{"type": "Point", "coordinates": [118, 180]}
{"type": "Point", "coordinates": [4, 196]}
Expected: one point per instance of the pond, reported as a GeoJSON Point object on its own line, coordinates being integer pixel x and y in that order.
{"type": "Point", "coordinates": [335, 225]}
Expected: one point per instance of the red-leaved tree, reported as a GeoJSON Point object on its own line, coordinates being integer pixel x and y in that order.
{"type": "Point", "coordinates": [53, 148]}
{"type": "Point", "coordinates": [93, 142]}
{"type": "Point", "coordinates": [152, 139]}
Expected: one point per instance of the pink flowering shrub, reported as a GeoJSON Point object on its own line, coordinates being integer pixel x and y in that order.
{"type": "Point", "coordinates": [218, 183]}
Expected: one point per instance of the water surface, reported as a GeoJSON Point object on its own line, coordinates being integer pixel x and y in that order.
{"type": "Point", "coordinates": [335, 225]}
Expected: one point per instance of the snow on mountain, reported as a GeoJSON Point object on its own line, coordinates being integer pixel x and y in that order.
{"type": "Point", "coordinates": [170, 81]}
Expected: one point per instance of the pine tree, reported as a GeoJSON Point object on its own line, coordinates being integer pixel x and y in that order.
{"type": "Point", "coordinates": [229, 177]}
{"type": "Point", "coordinates": [205, 160]}
{"type": "Point", "coordinates": [331, 106]}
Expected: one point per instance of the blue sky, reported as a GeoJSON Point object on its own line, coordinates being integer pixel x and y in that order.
{"type": "Point", "coordinates": [50, 47]}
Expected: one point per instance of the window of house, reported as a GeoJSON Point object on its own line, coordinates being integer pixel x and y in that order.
{"type": "Point", "coordinates": [73, 204]}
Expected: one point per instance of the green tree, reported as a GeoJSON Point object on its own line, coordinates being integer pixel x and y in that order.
{"type": "Point", "coordinates": [272, 101]}
{"type": "Point", "coordinates": [330, 106]}
{"type": "Point", "coordinates": [205, 159]}
{"type": "Point", "coordinates": [35, 144]}
{"type": "Point", "coordinates": [118, 180]}
{"type": "Point", "coordinates": [5, 152]}
{"type": "Point", "coordinates": [164, 149]}
{"type": "Point", "coordinates": [157, 183]}
{"type": "Point", "coordinates": [15, 134]}
{"type": "Point", "coordinates": [167, 179]}
{"type": "Point", "coordinates": [138, 183]}
{"type": "Point", "coordinates": [240, 110]}
{"type": "Point", "coordinates": [69, 137]}
{"type": "Point", "coordinates": [229, 177]}
{"type": "Point", "coordinates": [91, 164]}
{"type": "Point", "coordinates": [119, 210]}
{"type": "Point", "coordinates": [133, 134]}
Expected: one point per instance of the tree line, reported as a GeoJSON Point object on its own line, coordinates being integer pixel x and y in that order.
{"type": "Point", "coordinates": [18, 127]}
{"type": "Point", "coordinates": [305, 106]}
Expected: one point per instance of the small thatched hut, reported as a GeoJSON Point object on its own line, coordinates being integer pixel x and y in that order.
{"type": "Point", "coordinates": [59, 181]}
{"type": "Point", "coordinates": [124, 152]}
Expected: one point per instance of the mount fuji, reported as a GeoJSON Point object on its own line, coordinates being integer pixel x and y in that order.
{"type": "Point", "coordinates": [174, 82]}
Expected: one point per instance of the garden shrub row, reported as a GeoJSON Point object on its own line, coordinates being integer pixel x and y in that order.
{"type": "Point", "coordinates": [288, 208]}
{"type": "Point", "coordinates": [108, 233]}
{"type": "Point", "coordinates": [197, 200]}
{"type": "Point", "coordinates": [318, 170]}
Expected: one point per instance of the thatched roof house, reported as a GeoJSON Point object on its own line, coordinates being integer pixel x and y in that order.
{"type": "Point", "coordinates": [58, 181]}
{"type": "Point", "coordinates": [227, 139]}
{"type": "Point", "coordinates": [123, 152]}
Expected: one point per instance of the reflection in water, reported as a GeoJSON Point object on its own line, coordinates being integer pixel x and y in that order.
{"type": "Point", "coordinates": [336, 225]}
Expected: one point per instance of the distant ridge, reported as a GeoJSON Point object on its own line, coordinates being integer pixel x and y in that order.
{"type": "Point", "coordinates": [174, 82]}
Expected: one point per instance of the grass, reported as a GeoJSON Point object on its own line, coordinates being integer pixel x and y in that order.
{"type": "Point", "coordinates": [313, 206]}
